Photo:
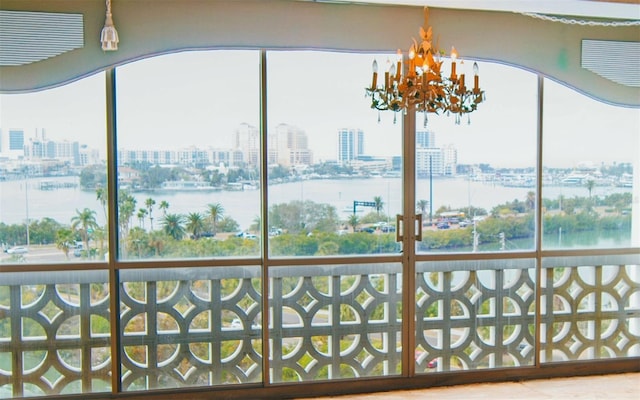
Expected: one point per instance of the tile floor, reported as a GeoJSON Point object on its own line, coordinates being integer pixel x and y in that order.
{"type": "Point", "coordinates": [609, 387]}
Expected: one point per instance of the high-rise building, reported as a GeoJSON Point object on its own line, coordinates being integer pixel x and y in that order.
{"type": "Point", "coordinates": [247, 140]}
{"type": "Point", "coordinates": [425, 138]}
{"type": "Point", "coordinates": [429, 162]}
{"type": "Point", "coordinates": [292, 145]}
{"type": "Point", "coordinates": [350, 144]}
{"type": "Point", "coordinates": [450, 159]}
{"type": "Point", "coordinates": [16, 140]}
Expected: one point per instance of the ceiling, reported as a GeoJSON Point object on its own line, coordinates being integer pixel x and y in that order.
{"type": "Point", "coordinates": [612, 9]}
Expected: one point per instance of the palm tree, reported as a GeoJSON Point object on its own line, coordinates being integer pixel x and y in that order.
{"type": "Point", "coordinates": [195, 223]}
{"type": "Point", "coordinates": [590, 185]}
{"type": "Point", "coordinates": [216, 212]}
{"type": "Point", "coordinates": [422, 206]}
{"type": "Point", "coordinates": [257, 223]}
{"type": "Point", "coordinates": [126, 208]}
{"type": "Point", "coordinates": [141, 214]}
{"type": "Point", "coordinates": [353, 221]}
{"type": "Point", "coordinates": [164, 205]}
{"type": "Point", "coordinates": [150, 203]}
{"type": "Point", "coordinates": [101, 196]}
{"type": "Point", "coordinates": [531, 200]}
{"type": "Point", "coordinates": [64, 239]}
{"type": "Point", "coordinates": [377, 200]}
{"type": "Point", "coordinates": [84, 222]}
{"type": "Point", "coordinates": [173, 225]}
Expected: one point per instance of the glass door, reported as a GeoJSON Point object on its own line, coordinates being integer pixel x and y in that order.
{"type": "Point", "coordinates": [334, 188]}
{"type": "Point", "coordinates": [475, 185]}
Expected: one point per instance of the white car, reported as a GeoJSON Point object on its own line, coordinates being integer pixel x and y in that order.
{"type": "Point", "coordinates": [18, 250]}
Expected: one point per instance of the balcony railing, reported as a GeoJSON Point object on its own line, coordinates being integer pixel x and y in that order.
{"type": "Point", "coordinates": [188, 327]}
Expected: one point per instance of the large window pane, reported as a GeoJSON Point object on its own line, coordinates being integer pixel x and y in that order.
{"type": "Point", "coordinates": [335, 181]}
{"type": "Point", "coordinates": [188, 155]}
{"type": "Point", "coordinates": [591, 153]}
{"type": "Point", "coordinates": [54, 333]}
{"type": "Point", "coordinates": [53, 174]}
{"type": "Point", "coordinates": [190, 327]}
{"type": "Point", "coordinates": [476, 181]}
{"type": "Point", "coordinates": [474, 315]}
{"type": "Point", "coordinates": [335, 322]}
{"type": "Point", "coordinates": [590, 308]}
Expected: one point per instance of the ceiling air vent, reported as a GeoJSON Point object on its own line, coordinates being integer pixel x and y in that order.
{"type": "Point", "coordinates": [616, 61]}
{"type": "Point", "coordinates": [27, 37]}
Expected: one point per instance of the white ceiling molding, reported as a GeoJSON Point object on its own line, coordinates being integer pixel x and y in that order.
{"type": "Point", "coordinates": [613, 60]}
{"type": "Point", "coordinates": [626, 10]}
{"type": "Point", "coordinates": [28, 36]}
{"type": "Point", "coordinates": [538, 45]}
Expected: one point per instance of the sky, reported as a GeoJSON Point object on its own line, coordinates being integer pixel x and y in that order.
{"type": "Point", "coordinates": [200, 99]}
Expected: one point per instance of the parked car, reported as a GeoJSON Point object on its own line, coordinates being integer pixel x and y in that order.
{"type": "Point", "coordinates": [388, 228]}
{"type": "Point", "coordinates": [443, 225]}
{"type": "Point", "coordinates": [18, 250]}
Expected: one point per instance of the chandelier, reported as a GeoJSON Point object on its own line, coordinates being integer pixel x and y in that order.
{"type": "Point", "coordinates": [417, 82]}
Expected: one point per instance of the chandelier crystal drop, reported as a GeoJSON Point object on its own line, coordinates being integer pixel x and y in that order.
{"type": "Point", "coordinates": [417, 82]}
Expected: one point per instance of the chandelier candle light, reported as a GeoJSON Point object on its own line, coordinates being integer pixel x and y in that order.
{"type": "Point", "coordinates": [422, 87]}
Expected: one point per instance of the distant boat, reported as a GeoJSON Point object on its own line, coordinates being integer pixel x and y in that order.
{"type": "Point", "coordinates": [187, 186]}
{"type": "Point", "coordinates": [574, 179]}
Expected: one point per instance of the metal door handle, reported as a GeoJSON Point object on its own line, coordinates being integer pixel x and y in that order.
{"type": "Point", "coordinates": [419, 234]}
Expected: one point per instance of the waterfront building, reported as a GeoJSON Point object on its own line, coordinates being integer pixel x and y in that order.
{"type": "Point", "coordinates": [247, 141]}
{"type": "Point", "coordinates": [292, 146]}
{"type": "Point", "coordinates": [425, 138]}
{"type": "Point", "coordinates": [430, 162]}
{"type": "Point", "coordinates": [350, 144]}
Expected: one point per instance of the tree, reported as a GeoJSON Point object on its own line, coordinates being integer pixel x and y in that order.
{"type": "Point", "coordinates": [377, 200]}
{"type": "Point", "coordinates": [215, 212]}
{"type": "Point", "coordinates": [164, 206]}
{"type": "Point", "coordinates": [422, 206]}
{"type": "Point", "coordinates": [64, 240]}
{"type": "Point", "coordinates": [195, 224]}
{"type": "Point", "coordinates": [150, 203]}
{"type": "Point", "coordinates": [101, 196]}
{"type": "Point", "coordinates": [126, 208]}
{"type": "Point", "coordinates": [173, 225]}
{"type": "Point", "coordinates": [84, 222]}
{"type": "Point", "coordinates": [590, 184]}
{"type": "Point", "coordinates": [354, 221]}
{"type": "Point", "coordinates": [531, 200]}
{"type": "Point", "coordinates": [141, 214]}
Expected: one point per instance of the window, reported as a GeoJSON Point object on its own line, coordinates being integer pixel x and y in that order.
{"type": "Point", "coordinates": [335, 173]}
{"type": "Point", "coordinates": [590, 163]}
{"type": "Point", "coordinates": [189, 156]}
{"type": "Point", "coordinates": [53, 175]}
{"type": "Point", "coordinates": [476, 181]}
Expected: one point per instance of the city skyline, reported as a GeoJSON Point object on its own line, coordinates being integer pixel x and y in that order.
{"type": "Point", "coordinates": [327, 99]}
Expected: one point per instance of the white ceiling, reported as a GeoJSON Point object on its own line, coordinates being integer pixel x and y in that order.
{"type": "Point", "coordinates": [613, 9]}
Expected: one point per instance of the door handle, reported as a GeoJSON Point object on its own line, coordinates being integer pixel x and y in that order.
{"type": "Point", "coordinates": [399, 236]}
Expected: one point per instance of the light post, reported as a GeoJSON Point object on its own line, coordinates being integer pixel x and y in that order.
{"type": "Point", "coordinates": [430, 190]}
{"type": "Point", "coordinates": [26, 200]}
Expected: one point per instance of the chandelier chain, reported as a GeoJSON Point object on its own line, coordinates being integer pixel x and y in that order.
{"type": "Point", "coordinates": [572, 21]}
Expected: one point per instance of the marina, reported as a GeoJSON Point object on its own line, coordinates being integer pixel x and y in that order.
{"type": "Point", "coordinates": [63, 196]}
